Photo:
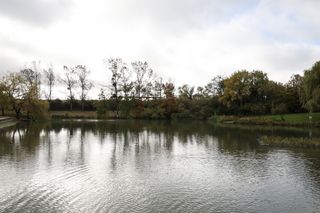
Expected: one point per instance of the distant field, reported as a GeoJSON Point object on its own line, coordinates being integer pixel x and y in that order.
{"type": "Point", "coordinates": [73, 114]}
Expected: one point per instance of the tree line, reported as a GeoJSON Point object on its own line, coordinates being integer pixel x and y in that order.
{"type": "Point", "coordinates": [136, 91]}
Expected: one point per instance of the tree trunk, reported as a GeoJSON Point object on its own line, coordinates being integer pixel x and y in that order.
{"type": "Point", "coordinates": [82, 105]}
{"type": "Point", "coordinates": [71, 98]}
{"type": "Point", "coordinates": [70, 104]}
{"type": "Point", "coordinates": [18, 114]}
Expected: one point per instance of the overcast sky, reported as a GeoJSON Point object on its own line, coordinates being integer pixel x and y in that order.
{"type": "Point", "coordinates": [189, 41]}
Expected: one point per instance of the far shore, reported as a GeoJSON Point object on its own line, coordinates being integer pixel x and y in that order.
{"type": "Point", "coordinates": [298, 119]}
{"type": "Point", "coordinates": [6, 121]}
{"type": "Point", "coordinates": [294, 120]}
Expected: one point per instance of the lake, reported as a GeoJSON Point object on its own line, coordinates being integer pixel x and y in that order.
{"type": "Point", "coordinates": [154, 166]}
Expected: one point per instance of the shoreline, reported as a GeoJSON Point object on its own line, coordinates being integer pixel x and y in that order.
{"type": "Point", "coordinates": [288, 120]}
{"type": "Point", "coordinates": [7, 122]}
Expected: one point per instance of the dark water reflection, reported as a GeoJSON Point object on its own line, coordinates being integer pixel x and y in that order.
{"type": "Point", "coordinates": [139, 166]}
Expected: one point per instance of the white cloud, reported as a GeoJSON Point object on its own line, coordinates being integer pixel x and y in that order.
{"type": "Point", "coordinates": [190, 41]}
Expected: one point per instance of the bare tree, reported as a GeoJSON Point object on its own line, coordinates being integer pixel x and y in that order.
{"type": "Point", "coordinates": [126, 84]}
{"type": "Point", "coordinates": [32, 74]}
{"type": "Point", "coordinates": [158, 87]}
{"type": "Point", "coordinates": [143, 78]}
{"type": "Point", "coordinates": [84, 83]}
{"type": "Point", "coordinates": [70, 81]}
{"type": "Point", "coordinates": [115, 65]}
{"type": "Point", "coordinates": [50, 80]}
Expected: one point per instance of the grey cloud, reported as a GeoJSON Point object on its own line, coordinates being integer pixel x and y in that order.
{"type": "Point", "coordinates": [290, 58]}
{"type": "Point", "coordinates": [181, 14]}
{"type": "Point", "coordinates": [7, 64]}
{"type": "Point", "coordinates": [37, 12]}
{"type": "Point", "coordinates": [287, 20]}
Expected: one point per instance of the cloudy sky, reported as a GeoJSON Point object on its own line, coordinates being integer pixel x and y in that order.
{"type": "Point", "coordinates": [189, 41]}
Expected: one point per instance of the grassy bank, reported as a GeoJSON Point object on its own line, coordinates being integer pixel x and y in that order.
{"type": "Point", "coordinates": [300, 119]}
{"type": "Point", "coordinates": [73, 114]}
{"type": "Point", "coordinates": [290, 141]}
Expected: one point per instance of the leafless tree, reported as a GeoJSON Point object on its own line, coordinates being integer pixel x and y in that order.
{"type": "Point", "coordinates": [84, 83]}
{"type": "Point", "coordinates": [70, 80]}
{"type": "Point", "coordinates": [126, 83]}
{"type": "Point", "coordinates": [158, 87]}
{"type": "Point", "coordinates": [115, 65]}
{"type": "Point", "coordinates": [50, 80]}
{"type": "Point", "coordinates": [32, 75]}
{"type": "Point", "coordinates": [143, 75]}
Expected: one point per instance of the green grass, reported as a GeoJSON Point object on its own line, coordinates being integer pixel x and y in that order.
{"type": "Point", "coordinates": [298, 119]}
{"type": "Point", "coordinates": [295, 118]}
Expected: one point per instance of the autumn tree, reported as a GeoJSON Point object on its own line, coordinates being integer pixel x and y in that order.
{"type": "Point", "coordinates": [15, 90]}
{"type": "Point", "coordinates": [34, 107]}
{"type": "Point", "coordinates": [245, 92]}
{"type": "Point", "coordinates": [237, 88]}
{"type": "Point", "coordinates": [32, 78]}
{"type": "Point", "coordinates": [22, 95]}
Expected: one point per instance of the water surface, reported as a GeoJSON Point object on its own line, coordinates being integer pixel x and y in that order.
{"type": "Point", "coordinates": [140, 166]}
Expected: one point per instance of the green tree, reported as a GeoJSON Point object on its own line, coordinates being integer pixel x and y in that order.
{"type": "Point", "coordinates": [310, 95]}
{"type": "Point", "coordinates": [4, 99]}
{"type": "Point", "coordinates": [293, 93]}
{"type": "Point", "coordinates": [215, 87]}
{"type": "Point", "coordinates": [169, 103]}
{"type": "Point", "coordinates": [236, 88]}
{"type": "Point", "coordinates": [186, 92]}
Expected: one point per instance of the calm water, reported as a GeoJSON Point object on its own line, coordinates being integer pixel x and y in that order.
{"type": "Point", "coordinates": [135, 166]}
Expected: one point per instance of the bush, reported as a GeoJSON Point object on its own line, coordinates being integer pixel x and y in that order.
{"type": "Point", "coordinates": [280, 109]}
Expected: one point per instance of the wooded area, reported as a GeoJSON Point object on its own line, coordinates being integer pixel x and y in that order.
{"type": "Point", "coordinates": [138, 92]}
